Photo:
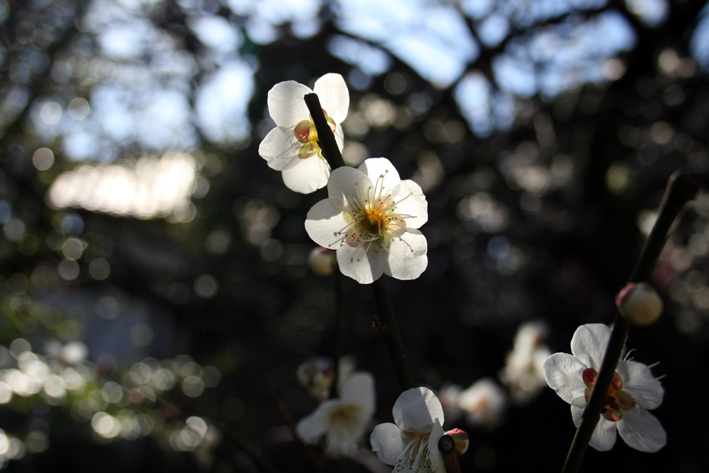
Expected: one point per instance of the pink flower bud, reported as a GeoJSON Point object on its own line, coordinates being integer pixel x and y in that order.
{"type": "Point", "coordinates": [460, 437]}
{"type": "Point", "coordinates": [322, 261]}
{"type": "Point", "coordinates": [639, 303]}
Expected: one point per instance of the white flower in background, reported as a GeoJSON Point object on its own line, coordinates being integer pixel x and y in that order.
{"type": "Point", "coordinates": [411, 444]}
{"type": "Point", "coordinates": [344, 420]}
{"type": "Point", "coordinates": [633, 390]}
{"type": "Point", "coordinates": [448, 395]}
{"type": "Point", "coordinates": [523, 374]}
{"type": "Point", "coordinates": [371, 219]}
{"type": "Point", "coordinates": [531, 334]}
{"type": "Point", "coordinates": [484, 403]}
{"type": "Point", "coordinates": [292, 147]}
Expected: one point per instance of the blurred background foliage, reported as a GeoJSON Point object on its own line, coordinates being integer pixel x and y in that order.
{"type": "Point", "coordinates": [154, 286]}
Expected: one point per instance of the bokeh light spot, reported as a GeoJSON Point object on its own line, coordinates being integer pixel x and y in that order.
{"type": "Point", "coordinates": [51, 113]}
{"type": "Point", "coordinates": [99, 269]}
{"type": "Point", "coordinates": [79, 108]}
{"type": "Point", "coordinates": [206, 286]}
{"type": "Point", "coordinates": [43, 159]}
{"type": "Point", "coordinates": [142, 335]}
{"type": "Point", "coordinates": [192, 386]}
{"type": "Point", "coordinates": [68, 269]}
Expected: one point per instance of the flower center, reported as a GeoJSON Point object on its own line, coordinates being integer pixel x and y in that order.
{"type": "Point", "coordinates": [616, 400]}
{"type": "Point", "coordinates": [306, 133]}
{"type": "Point", "coordinates": [377, 222]}
{"type": "Point", "coordinates": [345, 417]}
{"type": "Point", "coordinates": [373, 222]}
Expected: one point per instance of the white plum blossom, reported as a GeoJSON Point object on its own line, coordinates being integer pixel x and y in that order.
{"type": "Point", "coordinates": [411, 444]}
{"type": "Point", "coordinates": [292, 147]}
{"type": "Point", "coordinates": [484, 403]}
{"type": "Point", "coordinates": [344, 420]}
{"type": "Point", "coordinates": [371, 218]}
{"type": "Point", "coordinates": [633, 390]}
{"type": "Point", "coordinates": [523, 373]}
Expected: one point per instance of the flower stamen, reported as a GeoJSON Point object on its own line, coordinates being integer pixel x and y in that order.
{"type": "Point", "coordinates": [373, 220]}
{"type": "Point", "coordinates": [616, 400]}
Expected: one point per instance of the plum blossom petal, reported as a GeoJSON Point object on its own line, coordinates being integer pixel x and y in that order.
{"type": "Point", "coordinates": [286, 105]}
{"type": "Point", "coordinates": [642, 431]}
{"type": "Point", "coordinates": [373, 236]}
{"type": "Point", "coordinates": [383, 172]}
{"type": "Point", "coordinates": [634, 390]}
{"type": "Point", "coordinates": [333, 95]}
{"type": "Point", "coordinates": [407, 256]}
{"type": "Point", "coordinates": [341, 185]}
{"type": "Point", "coordinates": [314, 426]}
{"type": "Point", "coordinates": [604, 434]}
{"type": "Point", "coordinates": [388, 441]}
{"type": "Point", "coordinates": [415, 204]}
{"type": "Point", "coordinates": [278, 148]}
{"type": "Point", "coordinates": [339, 137]}
{"type": "Point", "coordinates": [359, 390]}
{"type": "Point", "coordinates": [589, 343]}
{"type": "Point", "coordinates": [323, 222]}
{"type": "Point", "coordinates": [306, 175]}
{"type": "Point", "coordinates": [640, 383]}
{"type": "Point", "coordinates": [416, 409]}
{"type": "Point", "coordinates": [293, 147]}
{"type": "Point", "coordinates": [563, 374]}
{"type": "Point", "coordinates": [356, 263]}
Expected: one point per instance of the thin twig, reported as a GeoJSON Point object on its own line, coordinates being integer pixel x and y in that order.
{"type": "Point", "coordinates": [680, 190]}
{"type": "Point", "coordinates": [389, 329]}
{"type": "Point", "coordinates": [241, 445]}
{"type": "Point", "coordinates": [317, 460]}
{"type": "Point", "coordinates": [340, 331]}
{"type": "Point", "coordinates": [390, 334]}
{"type": "Point", "coordinates": [326, 139]}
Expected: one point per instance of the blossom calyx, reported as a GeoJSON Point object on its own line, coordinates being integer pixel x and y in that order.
{"type": "Point", "coordinates": [639, 303]}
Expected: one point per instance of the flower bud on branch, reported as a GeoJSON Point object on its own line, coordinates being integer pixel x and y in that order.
{"type": "Point", "coordinates": [639, 303]}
